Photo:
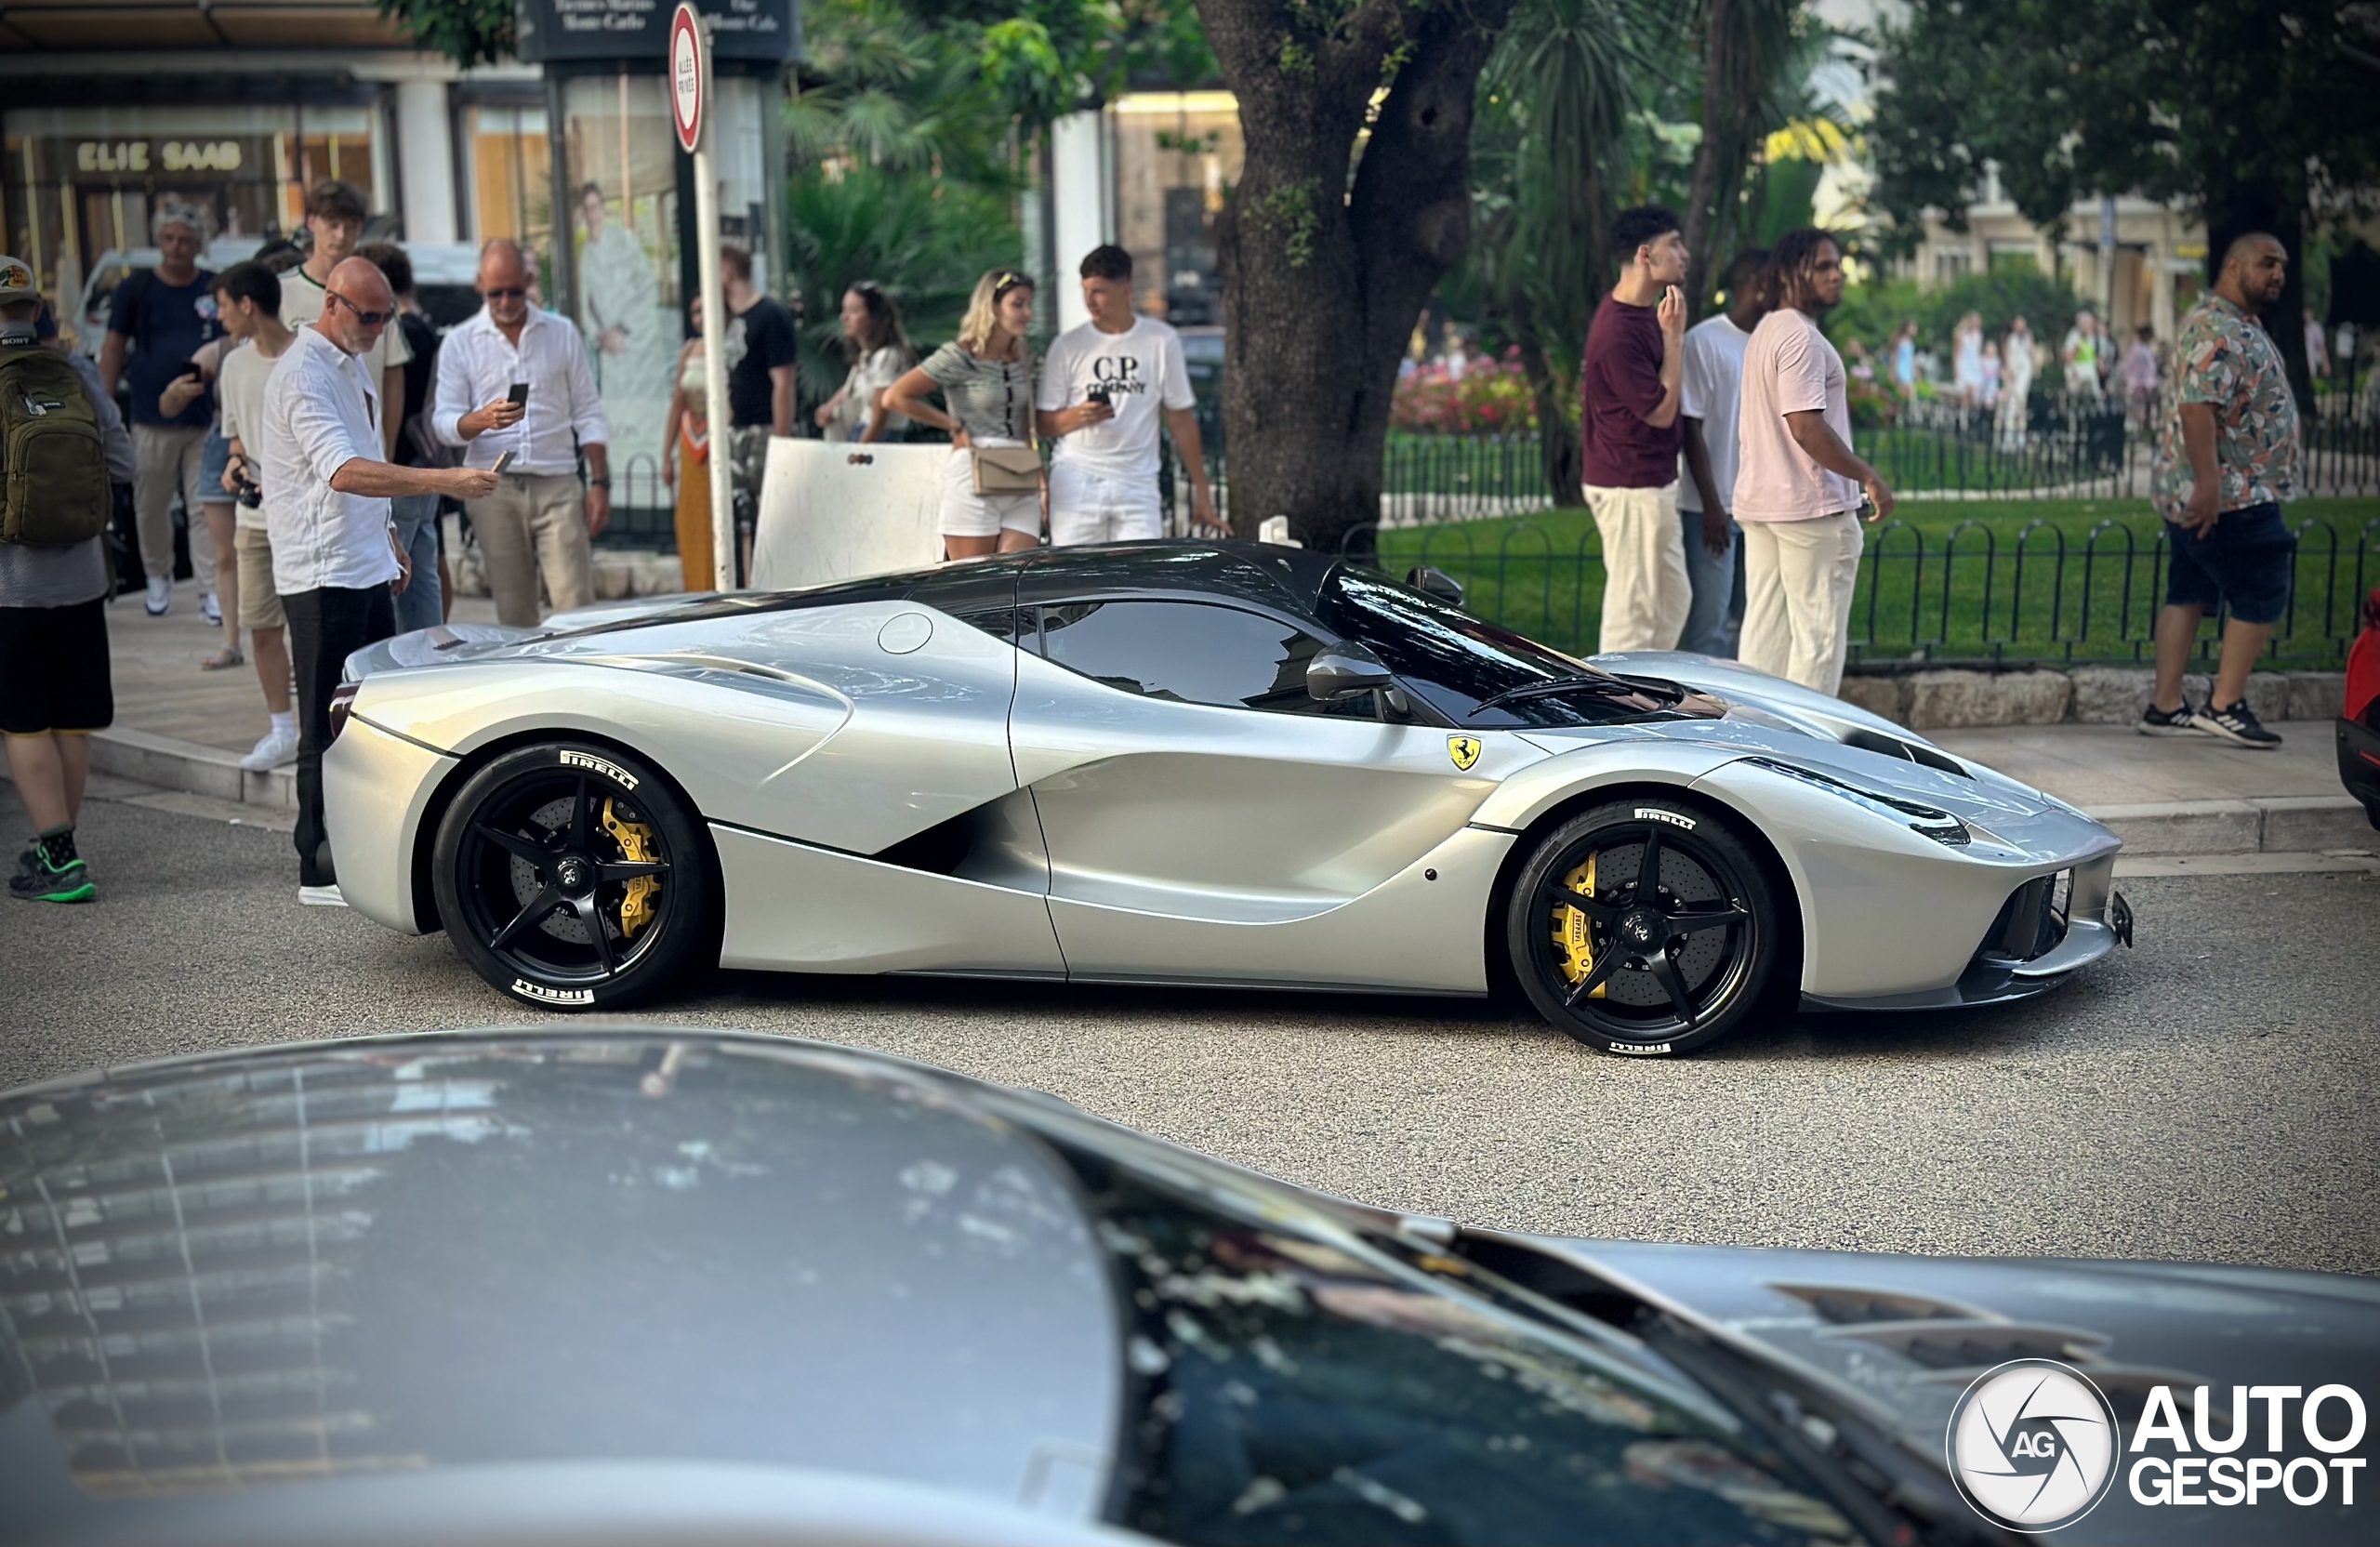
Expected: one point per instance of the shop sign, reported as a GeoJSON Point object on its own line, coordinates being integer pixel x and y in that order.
{"type": "Point", "coordinates": [638, 30]}
{"type": "Point", "coordinates": [170, 155]}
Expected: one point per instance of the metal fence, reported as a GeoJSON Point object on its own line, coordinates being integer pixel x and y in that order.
{"type": "Point", "coordinates": [1972, 594]}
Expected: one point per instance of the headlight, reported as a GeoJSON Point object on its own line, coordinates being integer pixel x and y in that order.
{"type": "Point", "coordinates": [1939, 826]}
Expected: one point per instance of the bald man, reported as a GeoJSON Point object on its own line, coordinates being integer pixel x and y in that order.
{"type": "Point", "coordinates": [2230, 457]}
{"type": "Point", "coordinates": [541, 517]}
{"type": "Point", "coordinates": [327, 492]}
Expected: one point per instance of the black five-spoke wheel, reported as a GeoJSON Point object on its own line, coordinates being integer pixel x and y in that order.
{"type": "Point", "coordinates": [571, 877]}
{"type": "Point", "coordinates": [1644, 927]}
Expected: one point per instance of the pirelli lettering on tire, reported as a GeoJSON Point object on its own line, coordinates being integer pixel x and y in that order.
{"type": "Point", "coordinates": [1655, 813]}
{"type": "Point", "coordinates": [610, 771]}
{"type": "Point", "coordinates": [1640, 1049]}
{"type": "Point", "coordinates": [526, 989]}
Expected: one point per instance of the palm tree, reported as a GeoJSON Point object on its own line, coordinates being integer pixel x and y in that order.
{"type": "Point", "coordinates": [1751, 76]}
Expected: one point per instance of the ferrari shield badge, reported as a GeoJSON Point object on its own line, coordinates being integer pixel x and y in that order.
{"type": "Point", "coordinates": [1464, 750]}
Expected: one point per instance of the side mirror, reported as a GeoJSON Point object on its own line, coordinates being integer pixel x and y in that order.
{"type": "Point", "coordinates": [1437, 583]}
{"type": "Point", "coordinates": [1343, 671]}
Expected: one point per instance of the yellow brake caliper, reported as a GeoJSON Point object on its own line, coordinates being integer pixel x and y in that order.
{"type": "Point", "coordinates": [636, 846]}
{"type": "Point", "coordinates": [1570, 928]}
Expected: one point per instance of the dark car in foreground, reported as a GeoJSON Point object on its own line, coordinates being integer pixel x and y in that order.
{"type": "Point", "coordinates": [666, 1286]}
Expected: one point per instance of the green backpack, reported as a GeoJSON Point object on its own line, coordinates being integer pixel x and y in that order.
{"type": "Point", "coordinates": [50, 454]}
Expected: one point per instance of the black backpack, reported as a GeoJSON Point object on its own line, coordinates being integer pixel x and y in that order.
{"type": "Point", "coordinates": [53, 468]}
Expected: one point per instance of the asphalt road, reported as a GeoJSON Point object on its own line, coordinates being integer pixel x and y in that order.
{"type": "Point", "coordinates": [2211, 1095]}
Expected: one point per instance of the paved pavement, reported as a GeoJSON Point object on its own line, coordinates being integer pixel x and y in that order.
{"type": "Point", "coordinates": [2210, 1095]}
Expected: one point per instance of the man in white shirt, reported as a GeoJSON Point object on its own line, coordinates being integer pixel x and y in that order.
{"type": "Point", "coordinates": [335, 215]}
{"type": "Point", "coordinates": [1099, 397]}
{"type": "Point", "coordinates": [539, 516]}
{"type": "Point", "coordinates": [1715, 372]}
{"type": "Point", "coordinates": [327, 492]}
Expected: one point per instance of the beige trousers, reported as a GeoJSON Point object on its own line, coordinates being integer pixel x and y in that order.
{"type": "Point", "coordinates": [1646, 590]}
{"type": "Point", "coordinates": [168, 457]}
{"type": "Point", "coordinates": [535, 521]}
{"type": "Point", "coordinates": [1798, 579]}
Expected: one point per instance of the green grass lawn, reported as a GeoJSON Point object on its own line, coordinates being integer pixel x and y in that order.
{"type": "Point", "coordinates": [2016, 579]}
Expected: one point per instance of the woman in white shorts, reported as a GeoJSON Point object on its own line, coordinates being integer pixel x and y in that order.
{"type": "Point", "coordinates": [985, 378]}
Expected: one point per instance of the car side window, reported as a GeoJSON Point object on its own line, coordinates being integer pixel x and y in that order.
{"type": "Point", "coordinates": [1192, 652]}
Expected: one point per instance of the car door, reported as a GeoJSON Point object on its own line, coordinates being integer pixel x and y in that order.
{"type": "Point", "coordinates": [1189, 790]}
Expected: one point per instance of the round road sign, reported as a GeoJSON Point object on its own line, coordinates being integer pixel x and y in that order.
{"type": "Point", "coordinates": [687, 69]}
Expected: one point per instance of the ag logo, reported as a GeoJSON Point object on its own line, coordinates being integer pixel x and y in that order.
{"type": "Point", "coordinates": [1464, 750]}
{"type": "Point", "coordinates": [2033, 1445]}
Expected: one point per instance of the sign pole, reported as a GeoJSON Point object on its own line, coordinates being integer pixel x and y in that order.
{"type": "Point", "coordinates": [690, 81]}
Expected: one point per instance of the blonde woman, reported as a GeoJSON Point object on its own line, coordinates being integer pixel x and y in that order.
{"type": "Point", "coordinates": [986, 379]}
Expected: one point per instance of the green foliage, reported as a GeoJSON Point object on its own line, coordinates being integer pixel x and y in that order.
{"type": "Point", "coordinates": [1870, 312]}
{"type": "Point", "coordinates": [469, 31]}
{"type": "Point", "coordinates": [1291, 211]}
{"type": "Point", "coordinates": [924, 245]}
{"type": "Point", "coordinates": [2073, 100]}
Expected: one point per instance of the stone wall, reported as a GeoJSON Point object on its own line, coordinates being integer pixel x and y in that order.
{"type": "Point", "coordinates": [2087, 695]}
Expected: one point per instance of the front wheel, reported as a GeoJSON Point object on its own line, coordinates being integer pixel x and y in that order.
{"type": "Point", "coordinates": [572, 878]}
{"type": "Point", "coordinates": [1645, 927]}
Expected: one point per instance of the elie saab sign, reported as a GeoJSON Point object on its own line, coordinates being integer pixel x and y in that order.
{"type": "Point", "coordinates": [549, 30]}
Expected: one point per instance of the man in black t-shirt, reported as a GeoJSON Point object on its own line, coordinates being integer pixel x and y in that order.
{"type": "Point", "coordinates": [762, 352]}
{"type": "Point", "coordinates": [422, 604]}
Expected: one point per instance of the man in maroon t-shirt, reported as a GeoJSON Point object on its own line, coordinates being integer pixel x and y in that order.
{"type": "Point", "coordinates": [1630, 385]}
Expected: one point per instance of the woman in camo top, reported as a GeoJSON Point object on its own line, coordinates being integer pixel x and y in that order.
{"type": "Point", "coordinates": [986, 379]}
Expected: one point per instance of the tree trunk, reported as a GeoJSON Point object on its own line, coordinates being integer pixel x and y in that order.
{"type": "Point", "coordinates": [1722, 110]}
{"type": "Point", "coordinates": [1558, 444]}
{"type": "Point", "coordinates": [1322, 280]}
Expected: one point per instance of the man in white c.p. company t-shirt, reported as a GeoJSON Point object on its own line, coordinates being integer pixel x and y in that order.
{"type": "Point", "coordinates": [1102, 386]}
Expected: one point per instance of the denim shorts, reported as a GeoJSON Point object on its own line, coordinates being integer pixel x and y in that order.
{"type": "Point", "coordinates": [2246, 561]}
{"type": "Point", "coordinates": [211, 463]}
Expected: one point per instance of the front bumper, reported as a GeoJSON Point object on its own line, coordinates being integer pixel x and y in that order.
{"type": "Point", "coordinates": [2037, 941]}
{"type": "Point", "coordinates": [376, 787]}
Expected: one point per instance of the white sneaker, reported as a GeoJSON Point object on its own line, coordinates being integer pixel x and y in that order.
{"type": "Point", "coordinates": [209, 609]}
{"type": "Point", "coordinates": [161, 596]}
{"type": "Point", "coordinates": [322, 897]}
{"type": "Point", "coordinates": [275, 748]}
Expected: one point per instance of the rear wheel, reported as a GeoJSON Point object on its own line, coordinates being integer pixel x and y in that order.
{"type": "Point", "coordinates": [1645, 927]}
{"type": "Point", "coordinates": [572, 878]}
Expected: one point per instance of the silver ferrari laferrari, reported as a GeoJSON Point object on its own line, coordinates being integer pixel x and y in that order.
{"type": "Point", "coordinates": [1212, 763]}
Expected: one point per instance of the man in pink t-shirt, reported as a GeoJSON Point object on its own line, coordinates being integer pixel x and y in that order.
{"type": "Point", "coordinates": [1797, 483]}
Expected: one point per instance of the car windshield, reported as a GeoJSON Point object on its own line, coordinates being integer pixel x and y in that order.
{"type": "Point", "coordinates": [1288, 1391]}
{"type": "Point", "coordinates": [1459, 662]}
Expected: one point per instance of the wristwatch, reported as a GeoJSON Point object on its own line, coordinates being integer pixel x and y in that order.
{"type": "Point", "coordinates": [598, 483]}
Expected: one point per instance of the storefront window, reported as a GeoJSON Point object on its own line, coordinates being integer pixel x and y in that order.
{"type": "Point", "coordinates": [1176, 156]}
{"type": "Point", "coordinates": [81, 183]}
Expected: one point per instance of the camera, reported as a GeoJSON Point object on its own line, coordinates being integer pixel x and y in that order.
{"type": "Point", "coordinates": [245, 489]}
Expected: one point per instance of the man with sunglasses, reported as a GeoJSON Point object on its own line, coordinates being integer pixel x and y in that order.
{"type": "Point", "coordinates": [538, 517]}
{"type": "Point", "coordinates": [327, 485]}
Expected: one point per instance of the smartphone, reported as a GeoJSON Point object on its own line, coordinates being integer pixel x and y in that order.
{"type": "Point", "coordinates": [519, 395]}
{"type": "Point", "coordinates": [501, 462]}
{"type": "Point", "coordinates": [1866, 506]}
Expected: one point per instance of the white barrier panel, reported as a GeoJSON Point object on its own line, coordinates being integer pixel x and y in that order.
{"type": "Point", "coordinates": [836, 511]}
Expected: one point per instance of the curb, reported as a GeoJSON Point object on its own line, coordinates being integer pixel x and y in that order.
{"type": "Point", "coordinates": [1957, 698]}
{"type": "Point", "coordinates": [2293, 824]}
{"type": "Point", "coordinates": [170, 762]}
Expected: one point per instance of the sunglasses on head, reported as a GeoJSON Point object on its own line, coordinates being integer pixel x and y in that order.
{"type": "Point", "coordinates": [369, 319]}
{"type": "Point", "coordinates": [1008, 282]}
{"type": "Point", "coordinates": [506, 293]}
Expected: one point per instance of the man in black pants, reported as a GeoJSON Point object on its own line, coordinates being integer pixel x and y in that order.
{"type": "Point", "coordinates": [326, 493]}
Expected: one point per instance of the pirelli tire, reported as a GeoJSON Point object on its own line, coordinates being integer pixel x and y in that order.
{"type": "Point", "coordinates": [572, 876]}
{"type": "Point", "coordinates": [1639, 965]}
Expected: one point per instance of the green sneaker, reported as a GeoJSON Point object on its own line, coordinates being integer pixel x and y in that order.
{"type": "Point", "coordinates": [37, 880]}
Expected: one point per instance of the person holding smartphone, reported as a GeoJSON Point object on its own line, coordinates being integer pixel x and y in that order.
{"type": "Point", "coordinates": [516, 379]}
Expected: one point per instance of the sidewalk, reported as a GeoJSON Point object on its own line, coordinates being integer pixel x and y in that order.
{"type": "Point", "coordinates": [2180, 803]}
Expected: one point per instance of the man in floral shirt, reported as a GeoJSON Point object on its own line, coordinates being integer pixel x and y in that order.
{"type": "Point", "coordinates": [2230, 456]}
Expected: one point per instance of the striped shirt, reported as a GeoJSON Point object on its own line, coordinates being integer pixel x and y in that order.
{"type": "Point", "coordinates": [992, 400]}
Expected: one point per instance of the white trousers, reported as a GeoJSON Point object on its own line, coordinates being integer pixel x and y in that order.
{"type": "Point", "coordinates": [1798, 579]}
{"type": "Point", "coordinates": [1646, 590]}
{"type": "Point", "coordinates": [1094, 507]}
